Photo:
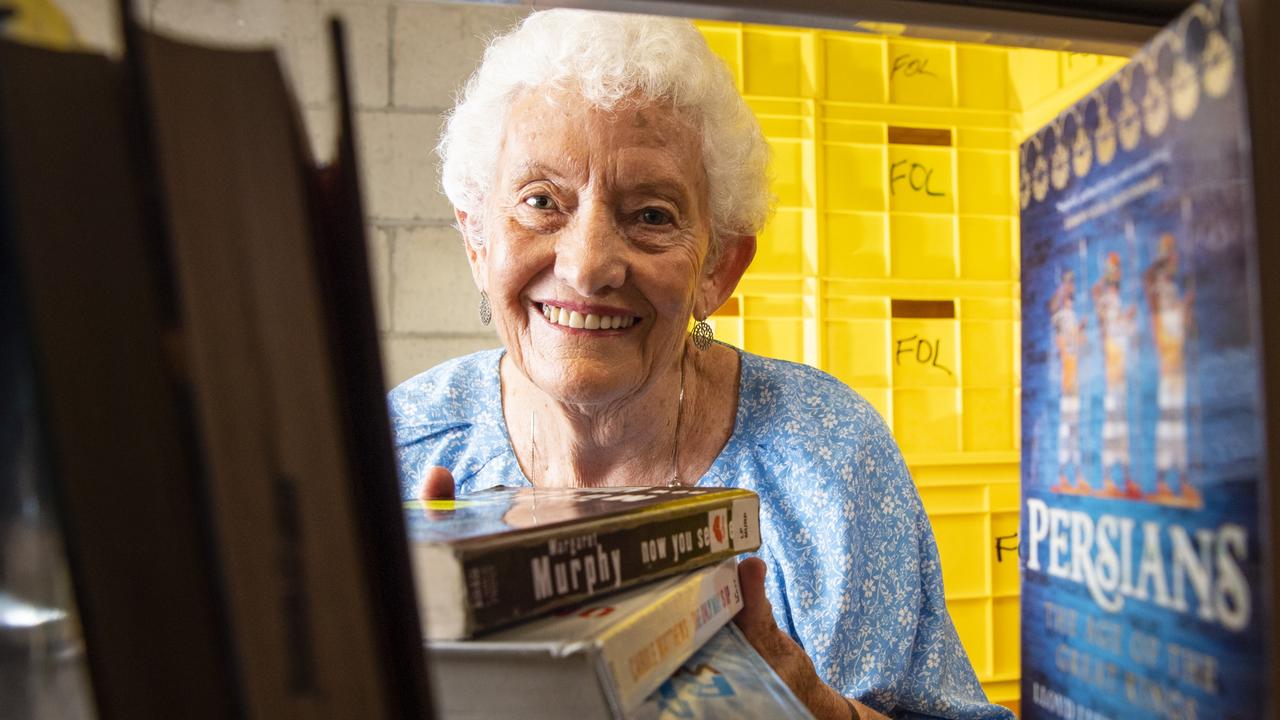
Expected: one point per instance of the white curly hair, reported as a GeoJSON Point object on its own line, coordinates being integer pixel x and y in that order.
{"type": "Point", "coordinates": [609, 58]}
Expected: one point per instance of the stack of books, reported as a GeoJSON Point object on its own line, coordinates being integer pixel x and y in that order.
{"type": "Point", "coordinates": [591, 603]}
{"type": "Point", "coordinates": [188, 321]}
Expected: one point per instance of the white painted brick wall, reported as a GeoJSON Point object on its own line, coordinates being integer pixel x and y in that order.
{"type": "Point", "coordinates": [448, 303]}
{"type": "Point", "coordinates": [408, 59]}
{"type": "Point", "coordinates": [408, 355]}
{"type": "Point", "coordinates": [380, 266]}
{"type": "Point", "coordinates": [307, 46]}
{"type": "Point", "coordinates": [94, 22]}
{"type": "Point", "coordinates": [401, 173]}
{"type": "Point", "coordinates": [232, 22]}
{"type": "Point", "coordinates": [437, 48]}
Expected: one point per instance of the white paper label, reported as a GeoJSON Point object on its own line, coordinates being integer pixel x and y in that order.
{"type": "Point", "coordinates": [744, 523]}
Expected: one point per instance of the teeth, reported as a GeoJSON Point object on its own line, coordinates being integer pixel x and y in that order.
{"type": "Point", "coordinates": [574, 319]}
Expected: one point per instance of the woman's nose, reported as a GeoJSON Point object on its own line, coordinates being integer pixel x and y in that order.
{"type": "Point", "coordinates": [591, 253]}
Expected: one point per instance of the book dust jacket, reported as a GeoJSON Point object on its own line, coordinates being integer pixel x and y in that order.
{"type": "Point", "coordinates": [502, 555]}
{"type": "Point", "coordinates": [1142, 454]}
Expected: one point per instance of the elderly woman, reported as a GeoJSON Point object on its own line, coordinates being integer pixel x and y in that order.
{"type": "Point", "coordinates": [609, 182]}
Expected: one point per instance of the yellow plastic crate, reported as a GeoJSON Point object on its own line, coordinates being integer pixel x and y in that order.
{"type": "Point", "coordinates": [1045, 82]}
{"type": "Point", "coordinates": [772, 317]}
{"type": "Point", "coordinates": [971, 508]}
{"type": "Point", "coordinates": [946, 383]}
{"type": "Point", "coordinates": [892, 263]}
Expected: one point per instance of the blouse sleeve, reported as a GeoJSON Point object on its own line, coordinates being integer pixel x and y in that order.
{"type": "Point", "coordinates": [854, 568]}
{"type": "Point", "coordinates": [931, 677]}
{"type": "Point", "coordinates": [940, 682]}
{"type": "Point", "coordinates": [408, 406]}
{"type": "Point", "coordinates": [434, 421]}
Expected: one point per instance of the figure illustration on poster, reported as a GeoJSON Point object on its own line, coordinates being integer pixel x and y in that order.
{"type": "Point", "coordinates": [1169, 312]}
{"type": "Point", "coordinates": [1115, 326]}
{"type": "Point", "coordinates": [1069, 338]}
{"type": "Point", "coordinates": [1171, 316]}
{"type": "Point", "coordinates": [1142, 457]}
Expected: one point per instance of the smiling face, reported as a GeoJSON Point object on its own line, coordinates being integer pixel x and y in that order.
{"type": "Point", "coordinates": [593, 243]}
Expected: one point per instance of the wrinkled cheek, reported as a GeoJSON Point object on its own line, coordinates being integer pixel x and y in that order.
{"type": "Point", "coordinates": [537, 343]}
{"type": "Point", "coordinates": [674, 301]}
{"type": "Point", "coordinates": [518, 346]}
{"type": "Point", "coordinates": [515, 331]}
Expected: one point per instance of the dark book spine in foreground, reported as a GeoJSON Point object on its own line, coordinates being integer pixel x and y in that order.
{"type": "Point", "coordinates": [100, 419]}
{"type": "Point", "coordinates": [535, 573]}
{"type": "Point", "coordinates": [353, 338]}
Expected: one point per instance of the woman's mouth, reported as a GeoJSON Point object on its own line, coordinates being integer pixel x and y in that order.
{"type": "Point", "coordinates": [585, 321]}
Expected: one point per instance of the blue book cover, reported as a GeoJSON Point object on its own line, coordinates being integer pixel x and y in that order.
{"type": "Point", "coordinates": [725, 680]}
{"type": "Point", "coordinates": [1142, 455]}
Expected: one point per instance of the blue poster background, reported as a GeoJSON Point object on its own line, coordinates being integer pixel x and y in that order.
{"type": "Point", "coordinates": [1146, 181]}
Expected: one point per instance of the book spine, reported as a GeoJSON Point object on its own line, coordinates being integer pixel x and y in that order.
{"type": "Point", "coordinates": [537, 573]}
{"type": "Point", "coordinates": [94, 424]}
{"type": "Point", "coordinates": [353, 341]}
{"type": "Point", "coordinates": [644, 652]}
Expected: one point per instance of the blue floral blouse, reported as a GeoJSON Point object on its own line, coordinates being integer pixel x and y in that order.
{"type": "Point", "coordinates": [853, 567]}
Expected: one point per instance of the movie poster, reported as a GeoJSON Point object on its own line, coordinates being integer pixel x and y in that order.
{"type": "Point", "coordinates": [1142, 455]}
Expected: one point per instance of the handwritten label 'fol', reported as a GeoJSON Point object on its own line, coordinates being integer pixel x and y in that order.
{"type": "Point", "coordinates": [920, 351]}
{"type": "Point", "coordinates": [909, 65]}
{"type": "Point", "coordinates": [911, 176]}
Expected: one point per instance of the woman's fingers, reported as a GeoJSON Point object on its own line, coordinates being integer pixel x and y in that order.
{"type": "Point", "coordinates": [757, 612]}
{"type": "Point", "coordinates": [783, 654]}
{"type": "Point", "coordinates": [756, 622]}
{"type": "Point", "coordinates": [437, 484]}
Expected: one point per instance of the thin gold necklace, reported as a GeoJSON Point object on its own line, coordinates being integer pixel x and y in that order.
{"type": "Point", "coordinates": [675, 444]}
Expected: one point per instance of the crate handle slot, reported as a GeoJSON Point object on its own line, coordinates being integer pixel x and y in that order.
{"type": "Point", "coordinates": [899, 135]}
{"type": "Point", "coordinates": [928, 309]}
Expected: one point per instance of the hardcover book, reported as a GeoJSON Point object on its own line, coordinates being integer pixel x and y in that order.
{"type": "Point", "coordinates": [725, 680]}
{"type": "Point", "coordinates": [1145, 531]}
{"type": "Point", "coordinates": [507, 554]}
{"type": "Point", "coordinates": [192, 298]}
{"type": "Point", "coordinates": [596, 660]}
{"type": "Point", "coordinates": [97, 416]}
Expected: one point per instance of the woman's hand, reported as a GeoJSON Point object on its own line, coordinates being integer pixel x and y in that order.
{"type": "Point", "coordinates": [437, 484]}
{"type": "Point", "coordinates": [785, 655]}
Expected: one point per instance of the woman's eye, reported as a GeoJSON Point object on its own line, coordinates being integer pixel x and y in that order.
{"type": "Point", "coordinates": [654, 216]}
{"type": "Point", "coordinates": [540, 202]}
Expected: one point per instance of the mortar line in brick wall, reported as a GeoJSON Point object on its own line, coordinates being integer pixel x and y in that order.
{"type": "Point", "coordinates": [327, 105]}
{"type": "Point", "coordinates": [432, 223]}
{"type": "Point", "coordinates": [402, 110]}
{"type": "Point", "coordinates": [390, 230]}
{"type": "Point", "coordinates": [403, 335]}
{"type": "Point", "coordinates": [391, 55]}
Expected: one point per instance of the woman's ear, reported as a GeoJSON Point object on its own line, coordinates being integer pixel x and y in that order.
{"type": "Point", "coordinates": [720, 280]}
{"type": "Point", "coordinates": [476, 251]}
